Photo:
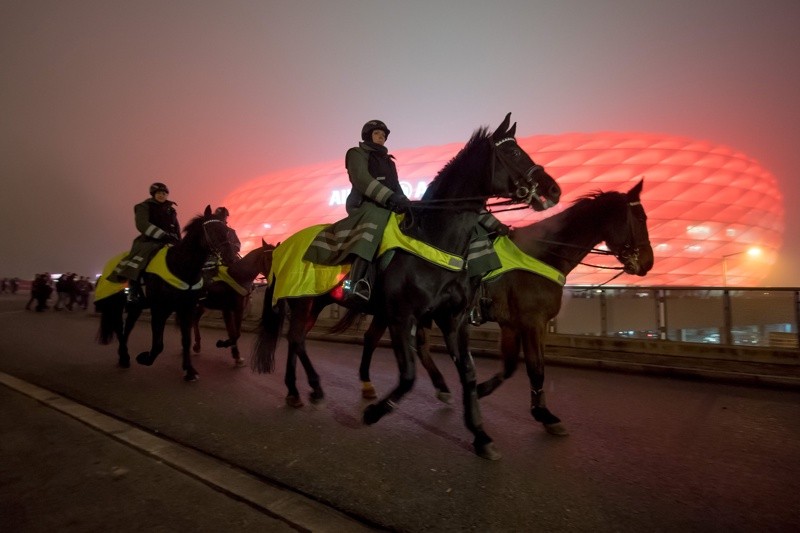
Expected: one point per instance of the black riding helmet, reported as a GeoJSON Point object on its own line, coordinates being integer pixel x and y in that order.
{"type": "Point", "coordinates": [156, 187]}
{"type": "Point", "coordinates": [369, 127]}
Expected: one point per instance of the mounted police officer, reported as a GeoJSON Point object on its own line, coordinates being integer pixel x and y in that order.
{"type": "Point", "coordinates": [213, 261]}
{"type": "Point", "coordinates": [157, 222]}
{"type": "Point", "coordinates": [375, 193]}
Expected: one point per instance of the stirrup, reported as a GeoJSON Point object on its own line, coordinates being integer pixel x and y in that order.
{"type": "Point", "coordinates": [475, 317]}
{"type": "Point", "coordinates": [362, 289]}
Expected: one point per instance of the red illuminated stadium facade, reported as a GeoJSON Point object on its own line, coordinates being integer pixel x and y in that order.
{"type": "Point", "coordinates": [703, 201]}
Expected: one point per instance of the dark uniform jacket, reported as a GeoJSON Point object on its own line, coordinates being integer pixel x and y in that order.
{"type": "Point", "coordinates": [158, 225]}
{"type": "Point", "coordinates": [373, 174]}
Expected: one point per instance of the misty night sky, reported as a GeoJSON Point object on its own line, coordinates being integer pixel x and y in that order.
{"type": "Point", "coordinates": [98, 99]}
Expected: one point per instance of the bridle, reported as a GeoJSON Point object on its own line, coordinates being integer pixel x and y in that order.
{"type": "Point", "coordinates": [215, 247]}
{"type": "Point", "coordinates": [526, 187]}
{"type": "Point", "coordinates": [628, 254]}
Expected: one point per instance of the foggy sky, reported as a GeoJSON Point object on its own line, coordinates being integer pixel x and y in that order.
{"type": "Point", "coordinates": [98, 99]}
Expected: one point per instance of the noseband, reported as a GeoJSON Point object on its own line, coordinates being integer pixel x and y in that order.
{"type": "Point", "coordinates": [526, 187]}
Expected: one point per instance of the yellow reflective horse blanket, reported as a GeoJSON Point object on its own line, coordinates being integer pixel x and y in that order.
{"type": "Point", "coordinates": [295, 277]}
{"type": "Point", "coordinates": [157, 266]}
{"type": "Point", "coordinates": [512, 258]}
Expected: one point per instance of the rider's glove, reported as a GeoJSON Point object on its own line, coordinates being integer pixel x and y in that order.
{"type": "Point", "coordinates": [398, 203]}
{"type": "Point", "coordinates": [503, 230]}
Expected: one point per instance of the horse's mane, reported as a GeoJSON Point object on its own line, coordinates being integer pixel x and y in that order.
{"type": "Point", "coordinates": [597, 196]}
{"type": "Point", "coordinates": [195, 224]}
{"type": "Point", "coordinates": [460, 170]}
{"type": "Point", "coordinates": [580, 207]}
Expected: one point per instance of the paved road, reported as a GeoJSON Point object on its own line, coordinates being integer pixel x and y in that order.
{"type": "Point", "coordinates": [644, 453]}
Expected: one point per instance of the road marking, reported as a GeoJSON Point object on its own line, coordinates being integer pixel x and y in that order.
{"type": "Point", "coordinates": [295, 509]}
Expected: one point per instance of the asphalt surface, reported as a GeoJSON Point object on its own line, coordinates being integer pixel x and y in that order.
{"type": "Point", "coordinates": [85, 446]}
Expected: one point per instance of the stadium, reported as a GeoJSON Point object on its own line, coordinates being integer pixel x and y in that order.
{"type": "Point", "coordinates": [707, 204]}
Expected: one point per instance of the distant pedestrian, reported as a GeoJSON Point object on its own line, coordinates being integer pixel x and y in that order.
{"type": "Point", "coordinates": [40, 292]}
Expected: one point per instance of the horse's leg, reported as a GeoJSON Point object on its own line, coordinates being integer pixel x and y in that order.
{"type": "Point", "coordinates": [317, 394]}
{"type": "Point", "coordinates": [533, 348]}
{"type": "Point", "coordinates": [123, 329]}
{"type": "Point", "coordinates": [456, 336]}
{"type": "Point", "coordinates": [233, 321]}
{"type": "Point", "coordinates": [509, 349]}
{"type": "Point", "coordinates": [371, 338]}
{"type": "Point", "coordinates": [303, 317]}
{"type": "Point", "coordinates": [403, 339]}
{"type": "Point", "coordinates": [197, 313]}
{"type": "Point", "coordinates": [158, 321]}
{"type": "Point", "coordinates": [184, 317]}
{"type": "Point", "coordinates": [424, 353]}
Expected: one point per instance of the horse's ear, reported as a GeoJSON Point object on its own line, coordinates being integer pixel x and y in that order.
{"type": "Point", "coordinates": [500, 132]}
{"type": "Point", "coordinates": [634, 193]}
{"type": "Point", "coordinates": [263, 243]}
{"type": "Point", "coordinates": [513, 131]}
{"type": "Point", "coordinates": [207, 212]}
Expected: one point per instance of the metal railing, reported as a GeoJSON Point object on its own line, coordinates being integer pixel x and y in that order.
{"type": "Point", "coordinates": [727, 316]}
{"type": "Point", "coordinates": [762, 317]}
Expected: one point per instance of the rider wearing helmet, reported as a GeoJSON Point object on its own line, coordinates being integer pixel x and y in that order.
{"type": "Point", "coordinates": [157, 223]}
{"type": "Point", "coordinates": [375, 193]}
{"type": "Point", "coordinates": [372, 171]}
{"type": "Point", "coordinates": [213, 262]}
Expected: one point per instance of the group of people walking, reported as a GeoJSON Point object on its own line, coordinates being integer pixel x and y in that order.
{"type": "Point", "coordinates": [71, 291]}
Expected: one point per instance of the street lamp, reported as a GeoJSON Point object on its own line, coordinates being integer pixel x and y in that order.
{"type": "Point", "coordinates": [753, 251]}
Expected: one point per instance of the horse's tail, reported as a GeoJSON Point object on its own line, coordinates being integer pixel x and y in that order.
{"type": "Point", "coordinates": [344, 323]}
{"type": "Point", "coordinates": [110, 310]}
{"type": "Point", "coordinates": [272, 318]}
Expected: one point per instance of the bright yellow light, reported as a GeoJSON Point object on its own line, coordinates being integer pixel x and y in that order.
{"type": "Point", "coordinates": [754, 251]}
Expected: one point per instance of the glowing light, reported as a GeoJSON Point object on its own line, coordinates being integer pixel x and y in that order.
{"type": "Point", "coordinates": [754, 251]}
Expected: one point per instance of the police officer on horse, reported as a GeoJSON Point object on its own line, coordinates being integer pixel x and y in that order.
{"type": "Point", "coordinates": [157, 223]}
{"type": "Point", "coordinates": [375, 192]}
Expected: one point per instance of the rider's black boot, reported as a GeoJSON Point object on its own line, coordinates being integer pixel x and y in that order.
{"type": "Point", "coordinates": [358, 287]}
{"type": "Point", "coordinates": [135, 295]}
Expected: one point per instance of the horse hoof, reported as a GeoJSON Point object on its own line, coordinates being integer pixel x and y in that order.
{"type": "Point", "coordinates": [444, 397]}
{"type": "Point", "coordinates": [556, 429]}
{"type": "Point", "coordinates": [144, 359]}
{"type": "Point", "coordinates": [124, 363]}
{"type": "Point", "coordinates": [191, 378]}
{"type": "Point", "coordinates": [372, 414]}
{"type": "Point", "coordinates": [316, 397]}
{"type": "Point", "coordinates": [294, 401]}
{"type": "Point", "coordinates": [239, 363]}
{"type": "Point", "coordinates": [488, 451]}
{"type": "Point", "coordinates": [196, 348]}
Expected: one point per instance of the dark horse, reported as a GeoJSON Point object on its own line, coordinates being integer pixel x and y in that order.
{"type": "Point", "coordinates": [232, 299]}
{"type": "Point", "coordinates": [204, 235]}
{"type": "Point", "coordinates": [409, 290]}
{"type": "Point", "coordinates": [522, 302]}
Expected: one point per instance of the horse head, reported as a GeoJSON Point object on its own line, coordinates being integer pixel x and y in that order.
{"type": "Point", "coordinates": [630, 242]}
{"type": "Point", "coordinates": [265, 258]}
{"type": "Point", "coordinates": [516, 176]}
{"type": "Point", "coordinates": [217, 236]}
